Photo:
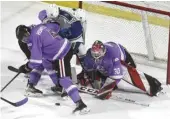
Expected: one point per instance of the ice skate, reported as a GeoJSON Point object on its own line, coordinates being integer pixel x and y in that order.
{"type": "Point", "coordinates": [56, 88]}
{"type": "Point", "coordinates": [64, 95]}
{"type": "Point", "coordinates": [81, 108]}
{"type": "Point", "coordinates": [32, 91]}
{"type": "Point", "coordinates": [156, 89]}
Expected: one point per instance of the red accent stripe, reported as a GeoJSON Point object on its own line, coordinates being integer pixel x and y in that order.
{"type": "Point", "coordinates": [139, 7]}
{"type": "Point", "coordinates": [61, 68]}
{"type": "Point", "coordinates": [136, 78]}
{"type": "Point", "coordinates": [97, 78]}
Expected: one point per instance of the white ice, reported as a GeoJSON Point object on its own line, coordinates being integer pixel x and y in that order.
{"type": "Point", "coordinates": [15, 13]}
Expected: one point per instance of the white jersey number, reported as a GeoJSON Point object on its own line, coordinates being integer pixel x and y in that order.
{"type": "Point", "coordinates": [116, 70]}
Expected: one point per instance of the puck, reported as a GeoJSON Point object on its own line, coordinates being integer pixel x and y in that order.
{"type": "Point", "coordinates": [58, 104]}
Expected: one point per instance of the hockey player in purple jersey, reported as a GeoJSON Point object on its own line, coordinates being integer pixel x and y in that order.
{"type": "Point", "coordinates": [46, 46]}
{"type": "Point", "coordinates": [110, 63]}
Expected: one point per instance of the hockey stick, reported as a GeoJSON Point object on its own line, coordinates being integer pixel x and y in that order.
{"type": "Point", "coordinates": [10, 81]}
{"type": "Point", "coordinates": [11, 68]}
{"type": "Point", "coordinates": [119, 98]}
{"type": "Point", "coordinates": [16, 104]}
{"type": "Point", "coordinates": [93, 91]}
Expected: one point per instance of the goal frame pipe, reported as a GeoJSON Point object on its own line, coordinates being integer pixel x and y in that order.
{"type": "Point", "coordinates": [168, 62]}
{"type": "Point", "coordinates": [147, 34]}
{"type": "Point", "coordinates": [139, 7]}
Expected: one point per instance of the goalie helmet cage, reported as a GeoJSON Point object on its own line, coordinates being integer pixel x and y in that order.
{"type": "Point", "coordinates": [151, 56]}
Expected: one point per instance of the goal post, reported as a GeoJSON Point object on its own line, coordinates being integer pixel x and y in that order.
{"type": "Point", "coordinates": [168, 62]}
{"type": "Point", "coordinates": [144, 31]}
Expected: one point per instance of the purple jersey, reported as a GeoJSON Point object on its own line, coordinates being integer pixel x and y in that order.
{"type": "Point", "coordinates": [45, 43]}
{"type": "Point", "coordinates": [110, 64]}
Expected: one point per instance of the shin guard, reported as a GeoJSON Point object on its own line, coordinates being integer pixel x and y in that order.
{"type": "Point", "coordinates": [71, 89]}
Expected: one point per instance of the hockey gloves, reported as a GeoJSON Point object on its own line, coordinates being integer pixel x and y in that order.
{"type": "Point", "coordinates": [65, 33]}
{"type": "Point", "coordinates": [83, 79]}
{"type": "Point", "coordinates": [24, 68]}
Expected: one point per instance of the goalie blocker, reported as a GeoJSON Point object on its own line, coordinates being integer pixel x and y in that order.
{"type": "Point", "coordinates": [111, 69]}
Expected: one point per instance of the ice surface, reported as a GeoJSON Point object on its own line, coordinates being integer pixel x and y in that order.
{"type": "Point", "coordinates": [44, 107]}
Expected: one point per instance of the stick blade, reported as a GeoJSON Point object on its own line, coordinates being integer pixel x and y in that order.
{"type": "Point", "coordinates": [11, 68]}
{"type": "Point", "coordinates": [16, 104]}
{"type": "Point", "coordinates": [22, 102]}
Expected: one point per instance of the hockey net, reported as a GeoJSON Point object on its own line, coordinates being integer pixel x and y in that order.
{"type": "Point", "coordinates": [144, 31]}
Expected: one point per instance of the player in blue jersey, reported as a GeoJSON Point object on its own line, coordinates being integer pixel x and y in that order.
{"type": "Point", "coordinates": [72, 24]}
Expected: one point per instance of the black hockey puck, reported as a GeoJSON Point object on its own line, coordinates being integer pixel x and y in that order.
{"type": "Point", "coordinates": [58, 104]}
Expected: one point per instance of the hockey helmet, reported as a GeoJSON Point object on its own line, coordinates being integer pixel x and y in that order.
{"type": "Point", "coordinates": [98, 49]}
{"type": "Point", "coordinates": [22, 33]}
{"type": "Point", "coordinates": [80, 14]}
{"type": "Point", "coordinates": [53, 11]}
{"type": "Point", "coordinates": [42, 15]}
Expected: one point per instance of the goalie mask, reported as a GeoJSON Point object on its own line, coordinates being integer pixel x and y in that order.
{"type": "Point", "coordinates": [22, 33]}
{"type": "Point", "coordinates": [98, 49]}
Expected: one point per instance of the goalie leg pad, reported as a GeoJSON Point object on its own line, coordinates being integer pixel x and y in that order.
{"type": "Point", "coordinates": [143, 81]}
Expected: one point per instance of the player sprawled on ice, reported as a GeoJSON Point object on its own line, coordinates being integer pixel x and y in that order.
{"type": "Point", "coordinates": [46, 46]}
{"type": "Point", "coordinates": [112, 63]}
{"type": "Point", "coordinates": [73, 27]}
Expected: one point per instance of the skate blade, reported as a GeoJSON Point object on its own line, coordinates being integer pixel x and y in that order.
{"type": "Point", "coordinates": [29, 94]}
{"type": "Point", "coordinates": [82, 112]}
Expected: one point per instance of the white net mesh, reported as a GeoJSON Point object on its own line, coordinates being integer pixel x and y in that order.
{"type": "Point", "coordinates": [124, 25]}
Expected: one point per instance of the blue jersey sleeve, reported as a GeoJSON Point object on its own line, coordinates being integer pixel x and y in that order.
{"type": "Point", "coordinates": [73, 32]}
{"type": "Point", "coordinates": [76, 30]}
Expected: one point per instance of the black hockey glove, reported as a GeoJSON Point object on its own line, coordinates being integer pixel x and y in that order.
{"type": "Point", "coordinates": [24, 68]}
